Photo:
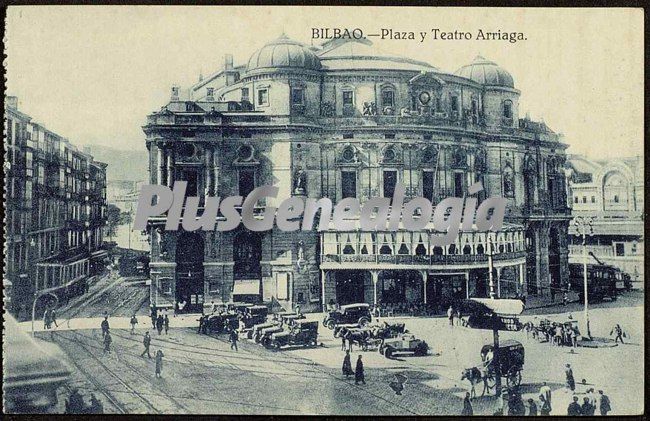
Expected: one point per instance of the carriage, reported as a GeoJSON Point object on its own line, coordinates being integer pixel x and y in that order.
{"type": "Point", "coordinates": [511, 362]}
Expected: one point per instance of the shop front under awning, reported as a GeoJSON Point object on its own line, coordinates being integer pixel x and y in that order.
{"type": "Point", "coordinates": [246, 287]}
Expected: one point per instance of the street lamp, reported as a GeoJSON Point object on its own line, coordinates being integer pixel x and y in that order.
{"type": "Point", "coordinates": [584, 227]}
{"type": "Point", "coordinates": [490, 247]}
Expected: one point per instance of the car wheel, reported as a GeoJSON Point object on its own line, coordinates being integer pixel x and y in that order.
{"type": "Point", "coordinates": [330, 324]}
{"type": "Point", "coordinates": [363, 321]}
{"type": "Point", "coordinates": [312, 343]}
{"type": "Point", "coordinates": [388, 352]}
{"type": "Point", "coordinates": [277, 346]}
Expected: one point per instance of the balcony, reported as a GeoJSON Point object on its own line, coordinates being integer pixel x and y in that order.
{"type": "Point", "coordinates": [419, 260]}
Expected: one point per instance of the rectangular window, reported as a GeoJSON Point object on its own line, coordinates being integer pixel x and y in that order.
{"type": "Point", "coordinates": [427, 185]}
{"type": "Point", "coordinates": [348, 98]}
{"type": "Point", "coordinates": [459, 188]}
{"type": "Point", "coordinates": [389, 136]}
{"type": "Point", "coordinates": [593, 199]}
{"type": "Point", "coordinates": [388, 98]}
{"type": "Point", "coordinates": [263, 97]}
{"type": "Point", "coordinates": [619, 249]}
{"type": "Point", "coordinates": [165, 285]}
{"type": "Point", "coordinates": [584, 199]}
{"type": "Point", "coordinates": [297, 96]}
{"type": "Point", "coordinates": [244, 94]}
{"type": "Point", "coordinates": [390, 179]}
{"type": "Point", "coordinates": [348, 184]}
{"type": "Point", "coordinates": [348, 135]}
{"type": "Point", "coordinates": [575, 199]}
{"type": "Point", "coordinates": [214, 286]}
{"type": "Point", "coordinates": [246, 182]}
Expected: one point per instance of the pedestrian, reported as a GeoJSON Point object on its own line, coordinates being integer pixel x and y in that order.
{"type": "Point", "coordinates": [96, 406]}
{"type": "Point", "coordinates": [159, 324]}
{"type": "Point", "coordinates": [75, 403]}
{"type": "Point", "coordinates": [134, 321]}
{"type": "Point", "coordinates": [515, 403]}
{"type": "Point", "coordinates": [234, 337]}
{"type": "Point", "coordinates": [159, 363]}
{"type": "Point", "coordinates": [605, 405]}
{"type": "Point", "coordinates": [213, 307]}
{"type": "Point", "coordinates": [166, 323]}
{"type": "Point", "coordinates": [104, 325]}
{"type": "Point", "coordinates": [574, 409]}
{"type": "Point", "coordinates": [359, 375]}
{"type": "Point", "coordinates": [591, 394]}
{"type": "Point", "coordinates": [53, 317]}
{"type": "Point", "coordinates": [46, 319]}
{"type": "Point", "coordinates": [546, 391]}
{"type": "Point", "coordinates": [107, 343]}
{"type": "Point", "coordinates": [532, 408]}
{"type": "Point", "coordinates": [201, 323]}
{"type": "Point", "coordinates": [570, 381]}
{"type": "Point", "coordinates": [467, 411]}
{"type": "Point", "coordinates": [587, 408]}
{"type": "Point", "coordinates": [342, 343]}
{"type": "Point", "coordinates": [619, 333]}
{"type": "Point", "coordinates": [298, 309]}
{"type": "Point", "coordinates": [347, 365]}
{"type": "Point", "coordinates": [450, 315]}
{"type": "Point", "coordinates": [565, 298]}
{"type": "Point", "coordinates": [574, 337]}
{"type": "Point", "coordinates": [545, 409]}
{"type": "Point", "coordinates": [146, 342]}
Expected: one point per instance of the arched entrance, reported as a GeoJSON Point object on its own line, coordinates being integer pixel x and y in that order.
{"type": "Point", "coordinates": [189, 271]}
{"type": "Point", "coordinates": [247, 271]}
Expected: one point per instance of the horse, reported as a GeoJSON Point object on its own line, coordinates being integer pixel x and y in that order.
{"type": "Point", "coordinates": [474, 376]}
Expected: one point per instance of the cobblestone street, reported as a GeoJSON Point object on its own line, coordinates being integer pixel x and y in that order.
{"type": "Point", "coordinates": [202, 374]}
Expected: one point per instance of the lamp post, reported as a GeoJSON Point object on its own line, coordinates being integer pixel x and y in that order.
{"type": "Point", "coordinates": [494, 318]}
{"type": "Point", "coordinates": [584, 227]}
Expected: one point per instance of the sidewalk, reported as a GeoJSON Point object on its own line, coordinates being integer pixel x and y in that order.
{"type": "Point", "coordinates": [185, 320]}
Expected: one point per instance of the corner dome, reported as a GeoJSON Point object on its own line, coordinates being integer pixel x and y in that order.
{"type": "Point", "coordinates": [486, 72]}
{"type": "Point", "coordinates": [284, 53]}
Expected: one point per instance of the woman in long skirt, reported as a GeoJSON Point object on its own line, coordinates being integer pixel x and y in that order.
{"type": "Point", "coordinates": [159, 363]}
{"type": "Point", "coordinates": [347, 365]}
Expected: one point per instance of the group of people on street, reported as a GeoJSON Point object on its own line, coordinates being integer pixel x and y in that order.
{"type": "Point", "coordinates": [146, 341]}
{"type": "Point", "coordinates": [359, 374]}
{"type": "Point", "coordinates": [49, 317]}
{"type": "Point", "coordinates": [556, 334]}
{"type": "Point", "coordinates": [75, 404]}
{"type": "Point", "coordinates": [158, 322]}
{"type": "Point", "coordinates": [455, 317]}
{"type": "Point", "coordinates": [590, 404]}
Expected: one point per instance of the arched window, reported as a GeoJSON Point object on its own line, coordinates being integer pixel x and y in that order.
{"type": "Point", "coordinates": [480, 249]}
{"type": "Point", "coordinates": [467, 249]}
{"type": "Point", "coordinates": [507, 108]}
{"type": "Point", "coordinates": [388, 97]}
{"type": "Point", "coordinates": [508, 181]}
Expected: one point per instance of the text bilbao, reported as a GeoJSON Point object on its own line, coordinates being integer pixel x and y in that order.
{"type": "Point", "coordinates": [377, 214]}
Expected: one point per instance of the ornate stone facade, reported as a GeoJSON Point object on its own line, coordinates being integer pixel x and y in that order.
{"type": "Point", "coordinates": [342, 120]}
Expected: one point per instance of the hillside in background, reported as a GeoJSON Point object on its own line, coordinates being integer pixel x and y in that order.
{"type": "Point", "coordinates": [122, 164]}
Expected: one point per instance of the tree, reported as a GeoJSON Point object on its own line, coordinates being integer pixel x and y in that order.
{"type": "Point", "coordinates": [112, 220]}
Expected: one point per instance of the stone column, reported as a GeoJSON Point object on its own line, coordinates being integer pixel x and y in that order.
{"type": "Point", "coordinates": [323, 274]}
{"type": "Point", "coordinates": [522, 278]}
{"type": "Point", "coordinates": [375, 278]}
{"type": "Point", "coordinates": [215, 173]}
{"type": "Point", "coordinates": [159, 174]}
{"type": "Point", "coordinates": [467, 284]}
{"type": "Point", "coordinates": [208, 169]}
{"type": "Point", "coordinates": [499, 281]}
{"type": "Point", "coordinates": [170, 171]}
{"type": "Point", "coordinates": [424, 283]}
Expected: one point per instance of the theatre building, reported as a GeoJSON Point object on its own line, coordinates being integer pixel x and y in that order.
{"type": "Point", "coordinates": [341, 120]}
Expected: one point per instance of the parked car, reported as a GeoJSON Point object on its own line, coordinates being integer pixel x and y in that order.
{"type": "Point", "coordinates": [350, 313]}
{"type": "Point", "coordinates": [404, 343]}
{"type": "Point", "coordinates": [265, 334]}
{"type": "Point", "coordinates": [289, 319]}
{"type": "Point", "coordinates": [302, 332]}
{"type": "Point", "coordinates": [254, 315]}
{"type": "Point", "coordinates": [256, 330]}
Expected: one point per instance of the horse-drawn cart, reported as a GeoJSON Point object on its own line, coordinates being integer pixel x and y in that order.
{"type": "Point", "coordinates": [511, 362]}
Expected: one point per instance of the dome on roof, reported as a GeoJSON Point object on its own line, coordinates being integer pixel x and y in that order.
{"type": "Point", "coordinates": [486, 72]}
{"type": "Point", "coordinates": [284, 52]}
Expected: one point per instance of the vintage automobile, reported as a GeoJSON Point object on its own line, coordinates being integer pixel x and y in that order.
{"type": "Point", "coordinates": [303, 332]}
{"type": "Point", "coordinates": [223, 322]}
{"type": "Point", "coordinates": [238, 307]}
{"type": "Point", "coordinates": [404, 343]}
{"type": "Point", "coordinates": [264, 335]}
{"type": "Point", "coordinates": [254, 315]}
{"type": "Point", "coordinates": [254, 332]}
{"type": "Point", "coordinates": [289, 319]}
{"type": "Point", "coordinates": [350, 313]}
{"type": "Point", "coordinates": [32, 371]}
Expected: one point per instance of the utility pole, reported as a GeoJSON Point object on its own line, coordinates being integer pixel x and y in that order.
{"type": "Point", "coordinates": [495, 320]}
{"type": "Point", "coordinates": [584, 227]}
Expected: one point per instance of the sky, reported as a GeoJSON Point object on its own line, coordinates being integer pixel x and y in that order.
{"type": "Point", "coordinates": [93, 73]}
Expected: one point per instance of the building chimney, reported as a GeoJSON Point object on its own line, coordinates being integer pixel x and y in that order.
{"type": "Point", "coordinates": [12, 102]}
{"type": "Point", "coordinates": [210, 95]}
{"type": "Point", "coordinates": [227, 62]}
{"type": "Point", "coordinates": [175, 93]}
